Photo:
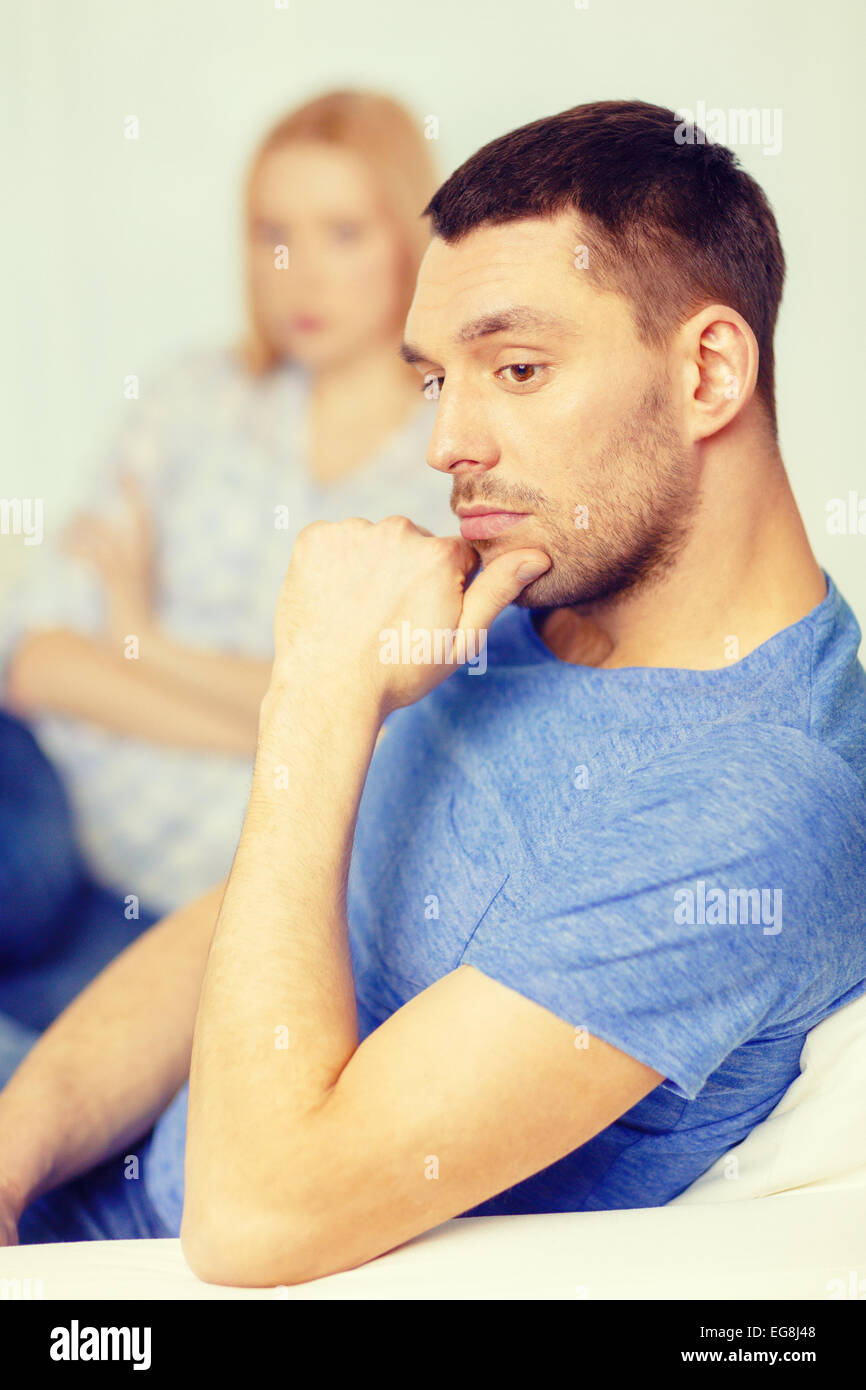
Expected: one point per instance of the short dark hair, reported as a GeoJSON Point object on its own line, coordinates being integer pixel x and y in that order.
{"type": "Point", "coordinates": [672, 225]}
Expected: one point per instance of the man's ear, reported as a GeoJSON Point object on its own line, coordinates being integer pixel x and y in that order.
{"type": "Point", "coordinates": [720, 363]}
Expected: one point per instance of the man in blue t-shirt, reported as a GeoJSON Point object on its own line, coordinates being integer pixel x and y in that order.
{"type": "Point", "coordinates": [552, 860]}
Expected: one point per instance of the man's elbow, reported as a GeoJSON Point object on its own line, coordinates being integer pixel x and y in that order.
{"type": "Point", "coordinates": [245, 1249]}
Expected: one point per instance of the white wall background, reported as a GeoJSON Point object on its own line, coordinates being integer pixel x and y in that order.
{"type": "Point", "coordinates": [118, 254]}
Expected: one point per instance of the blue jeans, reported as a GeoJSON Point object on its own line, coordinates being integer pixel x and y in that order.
{"type": "Point", "coordinates": [58, 929]}
{"type": "Point", "coordinates": [96, 931]}
{"type": "Point", "coordinates": [101, 1204]}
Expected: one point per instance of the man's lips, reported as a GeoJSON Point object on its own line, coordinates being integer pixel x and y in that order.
{"type": "Point", "coordinates": [478, 525]}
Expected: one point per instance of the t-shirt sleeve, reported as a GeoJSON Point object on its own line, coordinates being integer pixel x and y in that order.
{"type": "Point", "coordinates": [681, 914]}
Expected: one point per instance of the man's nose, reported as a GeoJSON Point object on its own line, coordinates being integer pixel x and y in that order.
{"type": "Point", "coordinates": [462, 441]}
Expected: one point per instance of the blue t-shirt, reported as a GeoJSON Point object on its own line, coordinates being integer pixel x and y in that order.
{"type": "Point", "coordinates": [673, 860]}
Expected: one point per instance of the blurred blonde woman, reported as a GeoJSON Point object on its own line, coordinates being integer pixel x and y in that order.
{"type": "Point", "coordinates": [139, 651]}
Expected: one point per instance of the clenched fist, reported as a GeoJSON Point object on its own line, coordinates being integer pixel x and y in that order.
{"type": "Point", "coordinates": [354, 586]}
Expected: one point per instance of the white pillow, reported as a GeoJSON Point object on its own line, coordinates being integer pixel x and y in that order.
{"type": "Point", "coordinates": [815, 1138]}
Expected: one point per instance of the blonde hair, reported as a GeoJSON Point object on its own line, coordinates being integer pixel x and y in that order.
{"type": "Point", "coordinates": [397, 155]}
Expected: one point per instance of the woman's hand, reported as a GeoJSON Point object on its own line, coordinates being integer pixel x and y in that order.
{"type": "Point", "coordinates": [122, 553]}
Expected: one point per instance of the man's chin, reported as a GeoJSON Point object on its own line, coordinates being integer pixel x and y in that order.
{"type": "Point", "coordinates": [540, 593]}
{"type": "Point", "coordinates": [531, 598]}
{"type": "Point", "coordinates": [553, 589]}
{"type": "Point", "coordinates": [533, 595]}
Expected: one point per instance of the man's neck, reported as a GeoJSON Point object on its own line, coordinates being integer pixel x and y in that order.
{"type": "Point", "coordinates": [746, 572]}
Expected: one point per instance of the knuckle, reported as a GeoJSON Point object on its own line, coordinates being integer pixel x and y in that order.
{"type": "Point", "coordinates": [309, 532]}
{"type": "Point", "coordinates": [448, 547]}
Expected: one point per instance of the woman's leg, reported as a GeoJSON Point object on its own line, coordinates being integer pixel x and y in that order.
{"type": "Point", "coordinates": [96, 930]}
{"type": "Point", "coordinates": [40, 864]}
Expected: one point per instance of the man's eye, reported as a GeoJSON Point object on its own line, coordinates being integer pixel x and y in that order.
{"type": "Point", "coordinates": [520, 367]}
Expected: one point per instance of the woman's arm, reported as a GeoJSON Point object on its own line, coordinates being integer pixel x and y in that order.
{"type": "Point", "coordinates": [122, 554]}
{"type": "Point", "coordinates": [238, 682]}
{"type": "Point", "coordinates": [69, 673]}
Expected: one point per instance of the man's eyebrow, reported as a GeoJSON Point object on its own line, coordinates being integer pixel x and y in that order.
{"type": "Point", "coordinates": [518, 319]}
{"type": "Point", "coordinates": [512, 320]}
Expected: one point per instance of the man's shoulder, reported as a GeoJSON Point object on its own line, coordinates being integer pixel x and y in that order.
{"type": "Point", "coordinates": [745, 741]}
{"type": "Point", "coordinates": [752, 771]}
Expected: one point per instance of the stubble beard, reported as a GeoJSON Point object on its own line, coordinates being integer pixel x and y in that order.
{"type": "Point", "coordinates": [637, 524]}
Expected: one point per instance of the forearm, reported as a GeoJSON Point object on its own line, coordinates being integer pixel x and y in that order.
{"type": "Point", "coordinates": [237, 682]}
{"type": "Point", "coordinates": [280, 958]}
{"type": "Point", "coordinates": [261, 1114]}
{"type": "Point", "coordinates": [67, 673]}
{"type": "Point", "coordinates": [99, 1076]}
